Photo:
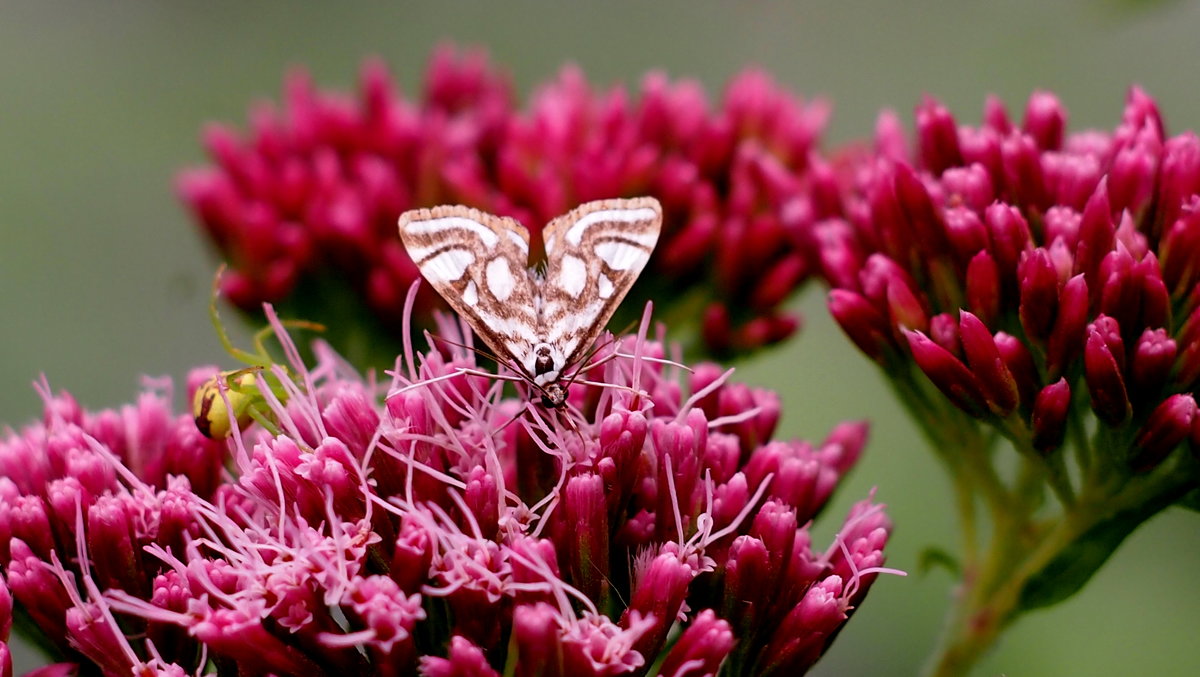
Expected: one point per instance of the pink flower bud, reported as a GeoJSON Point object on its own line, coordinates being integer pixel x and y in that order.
{"type": "Point", "coordinates": [905, 309]}
{"type": "Point", "coordinates": [701, 648]}
{"type": "Point", "coordinates": [538, 642]}
{"type": "Point", "coordinates": [991, 373]}
{"type": "Point", "coordinates": [1169, 425]}
{"type": "Point", "coordinates": [1020, 364]}
{"type": "Point", "coordinates": [947, 373]}
{"type": "Point", "coordinates": [1049, 420]}
{"type": "Point", "coordinates": [37, 590]}
{"type": "Point", "coordinates": [1104, 380]}
{"type": "Point", "coordinates": [717, 328]}
{"type": "Point", "coordinates": [937, 137]}
{"type": "Point", "coordinates": [1110, 332]}
{"type": "Point", "coordinates": [482, 497]}
{"type": "Point", "coordinates": [995, 115]}
{"type": "Point", "coordinates": [943, 329]}
{"type": "Point", "coordinates": [865, 325]}
{"type": "Point", "coordinates": [1066, 339]}
{"type": "Point", "coordinates": [1045, 120]}
{"type": "Point", "coordinates": [890, 140]}
{"type": "Point", "coordinates": [464, 659]}
{"type": "Point", "coordinates": [1096, 232]}
{"type": "Point", "coordinates": [1023, 171]}
{"type": "Point", "coordinates": [350, 416]}
{"type": "Point", "coordinates": [749, 585]}
{"type": "Point", "coordinates": [1179, 181]}
{"type": "Point", "coordinates": [1150, 366]}
{"type": "Point", "coordinates": [1180, 246]}
{"type": "Point", "coordinates": [844, 444]}
{"type": "Point", "coordinates": [113, 543]}
{"type": "Point", "coordinates": [585, 550]}
{"type": "Point", "coordinates": [800, 639]}
{"type": "Point", "coordinates": [925, 224]}
{"type": "Point", "coordinates": [972, 187]}
{"type": "Point", "coordinates": [983, 287]}
{"type": "Point", "coordinates": [775, 525]}
{"type": "Point", "coordinates": [778, 282]}
{"type": "Point", "coordinates": [981, 149]}
{"type": "Point", "coordinates": [6, 609]}
{"type": "Point", "coordinates": [658, 593]}
{"type": "Point", "coordinates": [25, 518]}
{"type": "Point", "coordinates": [1134, 169]}
{"type": "Point", "coordinates": [1010, 237]}
{"type": "Point", "coordinates": [411, 557]}
{"type": "Point", "coordinates": [378, 604]}
{"type": "Point", "coordinates": [1039, 294]}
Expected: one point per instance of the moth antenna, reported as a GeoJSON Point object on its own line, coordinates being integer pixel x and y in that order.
{"type": "Point", "coordinates": [656, 360]}
{"type": "Point", "coordinates": [616, 386]}
{"type": "Point", "coordinates": [590, 366]}
{"type": "Point", "coordinates": [446, 377]}
{"type": "Point", "coordinates": [478, 351]}
{"type": "Point", "coordinates": [510, 421]}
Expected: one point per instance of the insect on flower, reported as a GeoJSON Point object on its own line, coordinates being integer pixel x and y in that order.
{"type": "Point", "coordinates": [540, 322]}
{"type": "Point", "coordinates": [242, 401]}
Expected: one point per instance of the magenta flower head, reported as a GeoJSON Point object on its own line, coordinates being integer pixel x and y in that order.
{"type": "Point", "coordinates": [303, 206]}
{"type": "Point", "coordinates": [434, 523]}
{"type": "Point", "coordinates": [1023, 279]}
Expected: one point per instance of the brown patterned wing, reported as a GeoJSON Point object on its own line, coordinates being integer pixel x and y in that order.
{"type": "Point", "coordinates": [478, 263]}
{"type": "Point", "coordinates": [594, 254]}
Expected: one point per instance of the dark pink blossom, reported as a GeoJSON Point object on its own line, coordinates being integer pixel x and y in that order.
{"type": "Point", "coordinates": [310, 194]}
{"type": "Point", "coordinates": [1002, 259]}
{"type": "Point", "coordinates": [436, 523]}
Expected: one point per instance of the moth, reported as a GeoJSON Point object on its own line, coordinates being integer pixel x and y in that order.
{"type": "Point", "coordinates": [539, 321]}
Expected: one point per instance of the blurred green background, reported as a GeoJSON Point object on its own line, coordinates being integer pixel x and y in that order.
{"type": "Point", "coordinates": [104, 278]}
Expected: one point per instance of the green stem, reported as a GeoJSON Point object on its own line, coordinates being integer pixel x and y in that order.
{"type": "Point", "coordinates": [1022, 550]}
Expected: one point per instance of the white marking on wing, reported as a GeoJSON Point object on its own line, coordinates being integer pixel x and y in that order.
{"type": "Point", "coordinates": [471, 294]}
{"type": "Point", "coordinates": [575, 232]}
{"type": "Point", "coordinates": [507, 327]}
{"type": "Point", "coordinates": [621, 255]}
{"type": "Point", "coordinates": [606, 286]}
{"type": "Point", "coordinates": [439, 226]}
{"type": "Point", "coordinates": [447, 266]}
{"type": "Point", "coordinates": [568, 346]}
{"type": "Point", "coordinates": [419, 253]}
{"type": "Point", "coordinates": [500, 279]}
{"type": "Point", "coordinates": [572, 323]}
{"type": "Point", "coordinates": [518, 241]}
{"type": "Point", "coordinates": [572, 275]}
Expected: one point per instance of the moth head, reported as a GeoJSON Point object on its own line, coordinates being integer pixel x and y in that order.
{"type": "Point", "coordinates": [554, 396]}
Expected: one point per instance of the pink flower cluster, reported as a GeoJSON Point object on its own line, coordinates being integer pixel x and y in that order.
{"type": "Point", "coordinates": [81, 494]}
{"type": "Point", "coordinates": [312, 194]}
{"type": "Point", "coordinates": [1021, 268]}
{"type": "Point", "coordinates": [435, 524]}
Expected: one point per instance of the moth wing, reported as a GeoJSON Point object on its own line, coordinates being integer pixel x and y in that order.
{"type": "Point", "coordinates": [478, 263]}
{"type": "Point", "coordinates": [594, 254]}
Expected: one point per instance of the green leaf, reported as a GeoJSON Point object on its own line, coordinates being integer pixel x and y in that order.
{"type": "Point", "coordinates": [1191, 500]}
{"type": "Point", "coordinates": [1075, 564]}
{"type": "Point", "coordinates": [933, 557]}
